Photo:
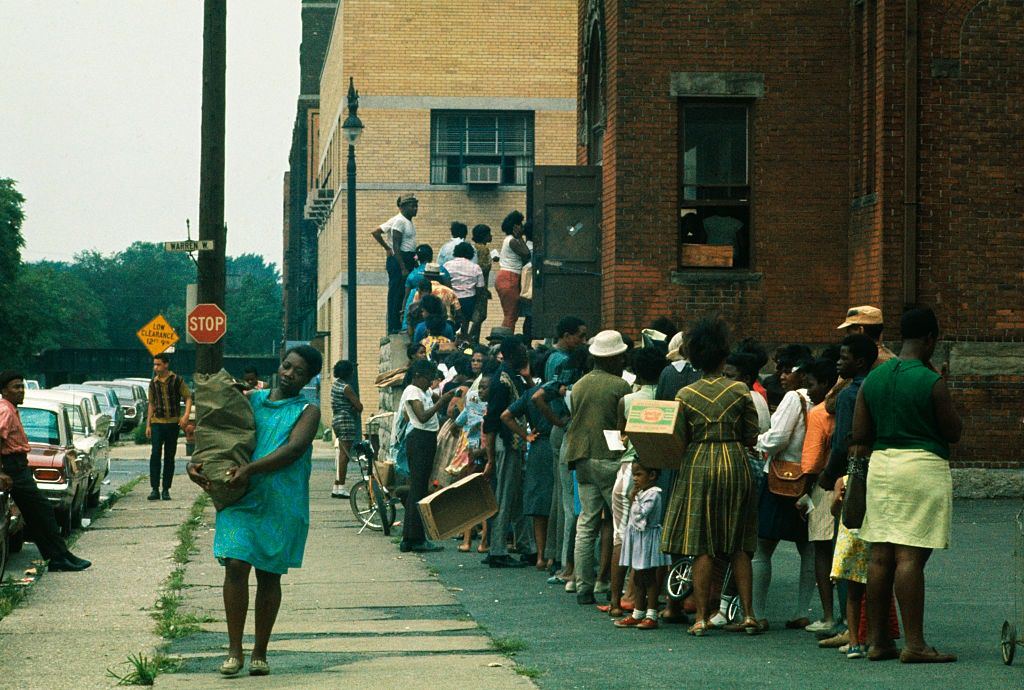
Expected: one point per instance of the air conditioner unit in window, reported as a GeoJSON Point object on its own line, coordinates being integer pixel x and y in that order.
{"type": "Point", "coordinates": [481, 174]}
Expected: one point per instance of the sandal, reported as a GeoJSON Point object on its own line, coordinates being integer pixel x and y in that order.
{"type": "Point", "coordinates": [929, 656]}
{"type": "Point", "coordinates": [464, 548]}
{"type": "Point", "coordinates": [797, 624]}
{"type": "Point", "coordinates": [699, 629]}
{"type": "Point", "coordinates": [674, 620]}
{"type": "Point", "coordinates": [259, 667]}
{"type": "Point", "coordinates": [231, 666]}
{"type": "Point", "coordinates": [751, 626]}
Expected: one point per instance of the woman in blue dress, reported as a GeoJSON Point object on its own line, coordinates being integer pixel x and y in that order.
{"type": "Point", "coordinates": [266, 529]}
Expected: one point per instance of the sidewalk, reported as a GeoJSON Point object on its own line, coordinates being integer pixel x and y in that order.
{"type": "Point", "coordinates": [358, 613]}
{"type": "Point", "coordinates": [74, 626]}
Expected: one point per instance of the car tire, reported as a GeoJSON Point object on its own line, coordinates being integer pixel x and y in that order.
{"type": "Point", "coordinates": [93, 499]}
{"type": "Point", "coordinates": [15, 542]}
{"type": "Point", "coordinates": [5, 548]}
{"type": "Point", "coordinates": [65, 521]}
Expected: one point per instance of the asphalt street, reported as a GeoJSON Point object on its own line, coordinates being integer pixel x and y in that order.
{"type": "Point", "coordinates": [969, 595]}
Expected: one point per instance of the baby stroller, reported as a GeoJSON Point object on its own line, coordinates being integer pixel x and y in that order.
{"type": "Point", "coordinates": [679, 585]}
{"type": "Point", "coordinates": [373, 502]}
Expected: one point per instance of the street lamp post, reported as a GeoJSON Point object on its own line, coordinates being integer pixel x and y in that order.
{"type": "Point", "coordinates": [352, 127]}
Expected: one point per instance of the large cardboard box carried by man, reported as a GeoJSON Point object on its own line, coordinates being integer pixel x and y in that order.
{"type": "Point", "coordinates": [656, 430]}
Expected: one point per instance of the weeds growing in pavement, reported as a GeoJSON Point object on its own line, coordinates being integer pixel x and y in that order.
{"type": "Point", "coordinates": [528, 671]}
{"type": "Point", "coordinates": [10, 596]}
{"type": "Point", "coordinates": [187, 530]}
{"type": "Point", "coordinates": [507, 645]}
{"type": "Point", "coordinates": [142, 669]}
{"type": "Point", "coordinates": [171, 622]}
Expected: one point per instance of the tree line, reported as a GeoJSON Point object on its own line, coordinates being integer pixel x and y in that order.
{"type": "Point", "coordinates": [101, 300]}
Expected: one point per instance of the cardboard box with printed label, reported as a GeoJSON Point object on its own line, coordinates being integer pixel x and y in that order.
{"type": "Point", "coordinates": [655, 428]}
{"type": "Point", "coordinates": [458, 506]}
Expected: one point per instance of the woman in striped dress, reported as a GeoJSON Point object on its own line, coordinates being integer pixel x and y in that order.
{"type": "Point", "coordinates": [345, 410]}
{"type": "Point", "coordinates": [713, 508]}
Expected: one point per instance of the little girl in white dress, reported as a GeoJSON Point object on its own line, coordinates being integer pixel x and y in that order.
{"type": "Point", "coordinates": [641, 548]}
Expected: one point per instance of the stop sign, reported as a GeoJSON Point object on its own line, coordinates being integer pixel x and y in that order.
{"type": "Point", "coordinates": [206, 324]}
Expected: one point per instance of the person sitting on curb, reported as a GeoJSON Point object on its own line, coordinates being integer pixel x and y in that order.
{"type": "Point", "coordinates": [16, 478]}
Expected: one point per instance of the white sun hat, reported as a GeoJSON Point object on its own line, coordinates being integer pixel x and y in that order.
{"type": "Point", "coordinates": [607, 344]}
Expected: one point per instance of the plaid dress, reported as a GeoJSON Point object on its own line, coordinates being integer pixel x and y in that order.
{"type": "Point", "coordinates": [713, 507]}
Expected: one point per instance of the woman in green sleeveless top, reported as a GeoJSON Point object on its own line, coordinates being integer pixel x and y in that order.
{"type": "Point", "coordinates": [906, 420]}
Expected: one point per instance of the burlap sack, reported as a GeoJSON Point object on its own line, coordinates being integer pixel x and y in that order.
{"type": "Point", "coordinates": [225, 433]}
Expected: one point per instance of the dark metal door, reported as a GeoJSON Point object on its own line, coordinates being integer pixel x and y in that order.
{"type": "Point", "coordinates": [566, 202]}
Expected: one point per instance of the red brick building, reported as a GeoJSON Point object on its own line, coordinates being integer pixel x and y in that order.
{"type": "Point", "coordinates": [779, 161]}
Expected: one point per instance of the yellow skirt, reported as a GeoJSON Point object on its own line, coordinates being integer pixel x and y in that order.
{"type": "Point", "coordinates": [909, 499]}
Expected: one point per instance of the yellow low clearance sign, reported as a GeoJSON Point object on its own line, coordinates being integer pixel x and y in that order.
{"type": "Point", "coordinates": [157, 335]}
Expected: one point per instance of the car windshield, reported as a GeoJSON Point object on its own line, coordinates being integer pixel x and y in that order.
{"type": "Point", "coordinates": [40, 425]}
{"type": "Point", "coordinates": [124, 394]}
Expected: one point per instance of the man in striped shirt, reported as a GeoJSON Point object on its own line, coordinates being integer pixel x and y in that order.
{"type": "Point", "coordinates": [166, 391]}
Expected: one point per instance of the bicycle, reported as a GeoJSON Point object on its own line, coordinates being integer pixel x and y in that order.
{"type": "Point", "coordinates": [679, 585]}
{"type": "Point", "coordinates": [373, 503]}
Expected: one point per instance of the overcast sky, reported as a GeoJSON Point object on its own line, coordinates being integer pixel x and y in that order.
{"type": "Point", "coordinates": [99, 120]}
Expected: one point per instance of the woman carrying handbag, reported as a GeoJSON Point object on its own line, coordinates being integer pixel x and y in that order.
{"type": "Point", "coordinates": [780, 518]}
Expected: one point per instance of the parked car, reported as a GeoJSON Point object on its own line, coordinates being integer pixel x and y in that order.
{"type": "Point", "coordinates": [89, 431]}
{"type": "Point", "coordinates": [137, 380]}
{"type": "Point", "coordinates": [132, 404]}
{"type": "Point", "coordinates": [62, 473]}
{"type": "Point", "coordinates": [108, 404]}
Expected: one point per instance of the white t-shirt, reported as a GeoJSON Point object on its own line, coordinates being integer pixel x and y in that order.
{"type": "Point", "coordinates": [508, 260]}
{"type": "Point", "coordinates": [447, 252]}
{"type": "Point", "coordinates": [410, 393]}
{"type": "Point", "coordinates": [399, 223]}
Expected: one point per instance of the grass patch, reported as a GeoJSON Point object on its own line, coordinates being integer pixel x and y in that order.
{"type": "Point", "coordinates": [507, 645]}
{"type": "Point", "coordinates": [142, 670]}
{"type": "Point", "coordinates": [171, 622]}
{"type": "Point", "coordinates": [528, 671]}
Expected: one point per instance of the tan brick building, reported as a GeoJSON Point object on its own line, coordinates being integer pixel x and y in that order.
{"type": "Point", "coordinates": [443, 86]}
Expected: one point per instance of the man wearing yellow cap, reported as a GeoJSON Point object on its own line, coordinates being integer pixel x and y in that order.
{"type": "Point", "coordinates": [866, 320]}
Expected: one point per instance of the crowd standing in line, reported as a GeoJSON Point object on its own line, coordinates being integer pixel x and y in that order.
{"type": "Point", "coordinates": [768, 458]}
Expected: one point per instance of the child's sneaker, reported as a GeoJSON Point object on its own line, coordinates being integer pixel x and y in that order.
{"type": "Point", "coordinates": [648, 624]}
{"type": "Point", "coordinates": [856, 652]}
{"type": "Point", "coordinates": [630, 622]}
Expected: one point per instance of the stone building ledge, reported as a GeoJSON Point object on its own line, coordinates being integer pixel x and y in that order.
{"type": "Point", "coordinates": [699, 277]}
{"type": "Point", "coordinates": [985, 483]}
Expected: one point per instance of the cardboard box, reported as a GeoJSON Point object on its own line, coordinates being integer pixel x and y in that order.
{"type": "Point", "coordinates": [655, 428]}
{"type": "Point", "coordinates": [709, 255]}
{"type": "Point", "coordinates": [458, 506]}
{"type": "Point", "coordinates": [385, 470]}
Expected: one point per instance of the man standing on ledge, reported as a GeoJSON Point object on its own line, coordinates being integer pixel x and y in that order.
{"type": "Point", "coordinates": [16, 477]}
{"type": "Point", "coordinates": [398, 238]}
{"type": "Point", "coordinates": [166, 391]}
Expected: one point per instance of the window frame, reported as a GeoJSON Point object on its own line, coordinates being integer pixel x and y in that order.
{"type": "Point", "coordinates": [726, 201]}
{"type": "Point", "coordinates": [440, 161]}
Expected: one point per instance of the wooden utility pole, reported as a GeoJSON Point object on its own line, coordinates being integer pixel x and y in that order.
{"type": "Point", "coordinates": [211, 278]}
